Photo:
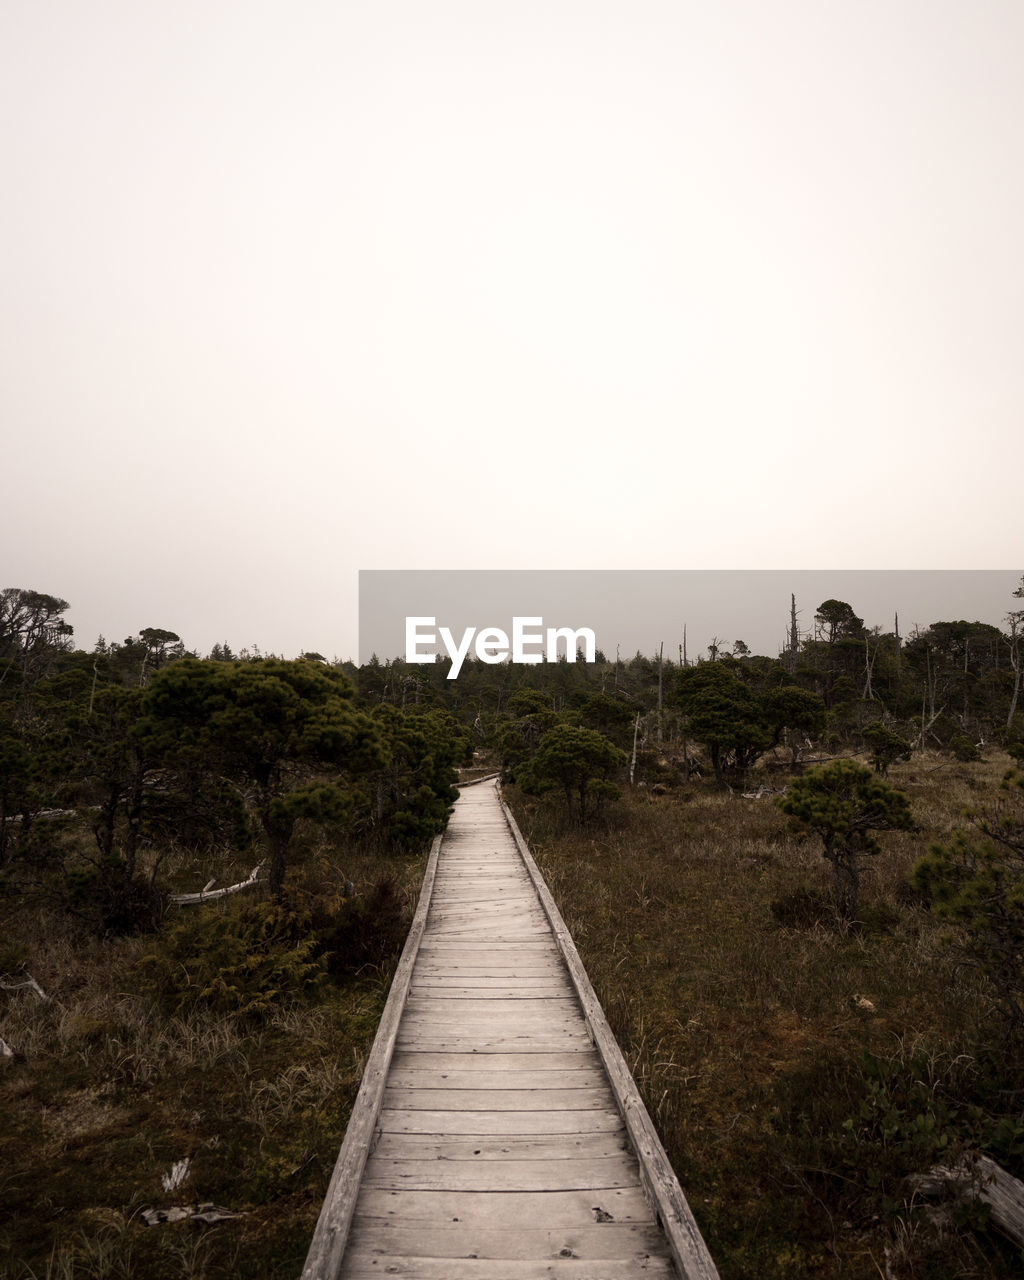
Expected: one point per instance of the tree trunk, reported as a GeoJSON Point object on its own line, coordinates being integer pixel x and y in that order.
{"type": "Point", "coordinates": [869, 662]}
{"type": "Point", "coordinates": [103, 829]}
{"type": "Point", "coordinates": [845, 881]}
{"type": "Point", "coordinates": [278, 838]}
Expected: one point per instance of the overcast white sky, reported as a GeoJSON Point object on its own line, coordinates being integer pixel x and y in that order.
{"type": "Point", "coordinates": [293, 290]}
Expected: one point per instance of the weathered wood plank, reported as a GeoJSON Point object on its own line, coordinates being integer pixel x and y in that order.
{"type": "Point", "coordinates": [591, 1077]}
{"type": "Point", "coordinates": [494, 885]}
{"type": "Point", "coordinates": [453, 888]}
{"type": "Point", "coordinates": [513, 931]}
{"type": "Point", "coordinates": [479, 1063]}
{"type": "Point", "coordinates": [573, 1099]}
{"type": "Point", "coordinates": [437, 975]}
{"type": "Point", "coordinates": [485, 1147]}
{"type": "Point", "coordinates": [516, 920]}
{"type": "Point", "coordinates": [463, 959]}
{"type": "Point", "coordinates": [500, 1122]}
{"type": "Point", "coordinates": [501, 1175]}
{"type": "Point", "coordinates": [501, 918]}
{"type": "Point", "coordinates": [554, 1209]}
{"type": "Point", "coordinates": [361, 1266]}
{"type": "Point", "coordinates": [530, 1022]}
{"type": "Point", "coordinates": [522, 1242]}
{"type": "Point", "coordinates": [486, 1002]}
{"type": "Point", "coordinates": [540, 947]}
{"type": "Point", "coordinates": [445, 1042]}
{"type": "Point", "coordinates": [464, 1009]}
{"type": "Point", "coordinates": [490, 986]}
{"type": "Point", "coordinates": [460, 965]}
{"type": "Point", "coordinates": [535, 994]}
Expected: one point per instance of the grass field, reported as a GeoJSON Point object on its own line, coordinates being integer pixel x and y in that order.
{"type": "Point", "coordinates": [112, 1087]}
{"type": "Point", "coordinates": [796, 1071]}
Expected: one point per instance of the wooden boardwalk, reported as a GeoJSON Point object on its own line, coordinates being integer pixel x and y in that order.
{"type": "Point", "coordinates": [500, 1136]}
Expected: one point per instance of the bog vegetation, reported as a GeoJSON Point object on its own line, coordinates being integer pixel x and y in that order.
{"type": "Point", "coordinates": [797, 883]}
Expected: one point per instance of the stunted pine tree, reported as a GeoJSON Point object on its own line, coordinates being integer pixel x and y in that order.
{"type": "Point", "coordinates": [843, 802]}
{"type": "Point", "coordinates": [579, 761]}
{"type": "Point", "coordinates": [287, 730]}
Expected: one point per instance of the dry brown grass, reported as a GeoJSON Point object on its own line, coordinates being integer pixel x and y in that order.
{"type": "Point", "coordinates": [108, 1092]}
{"type": "Point", "coordinates": [740, 1029]}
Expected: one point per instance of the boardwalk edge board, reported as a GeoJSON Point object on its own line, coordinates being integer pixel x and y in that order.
{"type": "Point", "coordinates": [661, 1186]}
{"type": "Point", "coordinates": [332, 1228]}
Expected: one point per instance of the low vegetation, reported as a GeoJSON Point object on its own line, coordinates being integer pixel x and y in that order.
{"type": "Point", "coordinates": [797, 884]}
{"type": "Point", "coordinates": [799, 1066]}
{"type": "Point", "coordinates": [214, 1062]}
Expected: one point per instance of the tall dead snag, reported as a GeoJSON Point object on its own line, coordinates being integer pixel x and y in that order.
{"type": "Point", "coordinates": [632, 763]}
{"type": "Point", "coordinates": [1016, 621]}
{"type": "Point", "coordinates": [793, 638]}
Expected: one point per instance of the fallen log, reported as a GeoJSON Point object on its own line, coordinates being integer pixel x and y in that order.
{"type": "Point", "coordinates": [977, 1177]}
{"type": "Point", "coordinates": [208, 894]}
{"type": "Point", "coordinates": [206, 1212]}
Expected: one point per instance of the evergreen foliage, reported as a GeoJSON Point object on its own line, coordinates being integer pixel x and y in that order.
{"type": "Point", "coordinates": [262, 723]}
{"type": "Point", "coordinates": [843, 802]}
{"type": "Point", "coordinates": [977, 880]}
{"type": "Point", "coordinates": [239, 959]}
{"type": "Point", "coordinates": [579, 761]}
{"type": "Point", "coordinates": [886, 747]}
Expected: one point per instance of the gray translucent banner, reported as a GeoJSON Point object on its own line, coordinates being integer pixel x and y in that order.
{"type": "Point", "coordinates": [473, 612]}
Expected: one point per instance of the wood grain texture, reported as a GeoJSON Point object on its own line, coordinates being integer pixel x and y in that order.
{"type": "Point", "coordinates": [619, 1240]}
{"type": "Point", "coordinates": [363, 1266]}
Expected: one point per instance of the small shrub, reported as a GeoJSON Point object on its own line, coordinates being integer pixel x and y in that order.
{"type": "Point", "coordinates": [580, 762]}
{"type": "Point", "coordinates": [886, 746]}
{"type": "Point", "coordinates": [977, 880]}
{"type": "Point", "coordinates": [240, 961]}
{"type": "Point", "coordinates": [843, 802]}
{"type": "Point", "coordinates": [964, 749]}
{"type": "Point", "coordinates": [112, 902]}
{"type": "Point", "coordinates": [368, 929]}
{"type": "Point", "coordinates": [868, 1121]}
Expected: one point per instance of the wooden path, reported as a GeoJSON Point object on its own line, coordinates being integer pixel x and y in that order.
{"type": "Point", "coordinates": [498, 1134]}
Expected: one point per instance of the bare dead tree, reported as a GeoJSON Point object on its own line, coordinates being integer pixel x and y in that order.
{"type": "Point", "coordinates": [632, 763]}
{"type": "Point", "coordinates": [869, 664]}
{"type": "Point", "coordinates": [1015, 620]}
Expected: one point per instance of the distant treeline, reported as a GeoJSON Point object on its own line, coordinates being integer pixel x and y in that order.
{"type": "Point", "coordinates": [375, 746]}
